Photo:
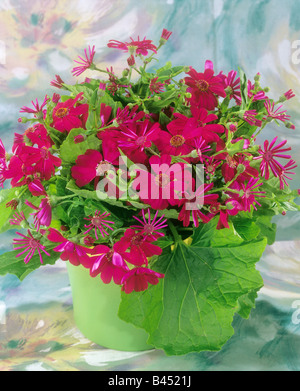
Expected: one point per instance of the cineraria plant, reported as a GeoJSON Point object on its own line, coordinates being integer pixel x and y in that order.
{"type": "Point", "coordinates": [106, 174]}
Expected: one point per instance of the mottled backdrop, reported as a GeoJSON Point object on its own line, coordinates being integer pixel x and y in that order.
{"type": "Point", "coordinates": [40, 38]}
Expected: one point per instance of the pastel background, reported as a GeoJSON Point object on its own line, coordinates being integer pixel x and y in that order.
{"type": "Point", "coordinates": [39, 39]}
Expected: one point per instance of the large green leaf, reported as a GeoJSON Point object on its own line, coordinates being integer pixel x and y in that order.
{"type": "Point", "coordinates": [205, 284]}
{"type": "Point", "coordinates": [9, 263]}
{"type": "Point", "coordinates": [69, 151]}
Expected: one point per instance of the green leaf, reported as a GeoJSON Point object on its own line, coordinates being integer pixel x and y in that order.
{"type": "Point", "coordinates": [246, 303]}
{"type": "Point", "coordinates": [12, 265]}
{"type": "Point", "coordinates": [192, 308]}
{"type": "Point", "coordinates": [69, 151]}
{"type": "Point", "coordinates": [244, 89]}
{"type": "Point", "coordinates": [6, 196]}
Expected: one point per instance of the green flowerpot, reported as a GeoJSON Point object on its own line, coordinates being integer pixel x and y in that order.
{"type": "Point", "coordinates": [95, 307]}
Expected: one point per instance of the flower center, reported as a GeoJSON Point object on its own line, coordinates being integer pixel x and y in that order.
{"type": "Point", "coordinates": [214, 209]}
{"type": "Point", "coordinates": [268, 156]}
{"type": "Point", "coordinates": [137, 239]}
{"type": "Point", "coordinates": [148, 229]}
{"type": "Point", "coordinates": [162, 180]}
{"type": "Point", "coordinates": [231, 162]}
{"type": "Point", "coordinates": [29, 130]}
{"type": "Point", "coordinates": [177, 141]}
{"type": "Point", "coordinates": [109, 255]}
{"type": "Point", "coordinates": [202, 85]}
{"type": "Point", "coordinates": [96, 221]}
{"type": "Point", "coordinates": [62, 112]}
{"type": "Point", "coordinates": [140, 141]}
{"type": "Point", "coordinates": [210, 169]}
{"type": "Point", "coordinates": [33, 243]}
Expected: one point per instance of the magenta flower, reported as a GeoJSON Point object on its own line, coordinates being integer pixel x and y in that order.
{"type": "Point", "coordinates": [268, 155]}
{"type": "Point", "coordinates": [162, 186]}
{"type": "Point", "coordinates": [260, 95]}
{"type": "Point", "coordinates": [249, 193]}
{"type": "Point", "coordinates": [275, 114]}
{"type": "Point", "coordinates": [98, 222]}
{"type": "Point", "coordinates": [201, 148]}
{"type": "Point", "coordinates": [72, 252]}
{"type": "Point", "coordinates": [192, 203]}
{"type": "Point", "coordinates": [134, 47]}
{"type": "Point", "coordinates": [35, 135]}
{"type": "Point", "coordinates": [138, 279]}
{"type": "Point", "coordinates": [138, 136]}
{"type": "Point", "coordinates": [156, 86]}
{"type": "Point", "coordinates": [165, 34]}
{"type": "Point", "coordinates": [150, 227]}
{"type": "Point", "coordinates": [232, 86]}
{"type": "Point", "coordinates": [30, 245]}
{"type": "Point", "coordinates": [140, 247]}
{"type": "Point", "coordinates": [17, 219]}
{"type": "Point", "coordinates": [84, 63]}
{"type": "Point", "coordinates": [70, 114]}
{"type": "Point", "coordinates": [88, 167]}
{"type": "Point", "coordinates": [37, 108]}
{"type": "Point", "coordinates": [128, 116]}
{"type": "Point", "coordinates": [109, 263]}
{"type": "Point", "coordinates": [250, 117]}
{"type": "Point", "coordinates": [43, 214]}
{"type": "Point", "coordinates": [3, 165]}
{"type": "Point", "coordinates": [289, 95]}
{"type": "Point", "coordinates": [204, 87]}
{"type": "Point", "coordinates": [58, 82]}
{"type": "Point", "coordinates": [285, 171]}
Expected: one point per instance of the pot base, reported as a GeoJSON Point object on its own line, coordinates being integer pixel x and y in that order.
{"type": "Point", "coordinates": [95, 307]}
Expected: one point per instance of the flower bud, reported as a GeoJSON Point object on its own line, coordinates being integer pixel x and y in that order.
{"type": "Point", "coordinates": [79, 138]}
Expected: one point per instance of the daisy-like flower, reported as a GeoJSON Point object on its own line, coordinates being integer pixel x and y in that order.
{"type": "Point", "coordinates": [57, 82]}
{"type": "Point", "coordinates": [273, 114]}
{"type": "Point", "coordinates": [250, 117]}
{"type": "Point", "coordinates": [289, 95]}
{"type": "Point", "coordinates": [268, 155]}
{"type": "Point", "coordinates": [38, 109]}
{"type": "Point", "coordinates": [109, 263]}
{"type": "Point", "coordinates": [156, 86]}
{"type": "Point", "coordinates": [249, 193]}
{"type": "Point", "coordinates": [285, 171]}
{"type": "Point", "coordinates": [150, 227]}
{"type": "Point", "coordinates": [201, 148]}
{"type": "Point", "coordinates": [165, 35]}
{"type": "Point", "coordinates": [17, 219]}
{"type": "Point", "coordinates": [72, 252]}
{"type": "Point", "coordinates": [232, 86]}
{"type": "Point", "coordinates": [205, 87]}
{"type": "Point", "coordinates": [98, 222]}
{"type": "Point", "coordinates": [85, 63]}
{"type": "Point", "coordinates": [134, 47]}
{"type": "Point", "coordinates": [30, 245]}
{"type": "Point", "coordinates": [138, 279]}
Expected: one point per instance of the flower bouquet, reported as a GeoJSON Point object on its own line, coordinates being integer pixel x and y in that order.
{"type": "Point", "coordinates": [152, 181]}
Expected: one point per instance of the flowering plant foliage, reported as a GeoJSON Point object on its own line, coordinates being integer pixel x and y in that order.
{"type": "Point", "coordinates": [154, 181]}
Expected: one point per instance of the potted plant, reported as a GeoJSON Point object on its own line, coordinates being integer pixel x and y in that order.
{"type": "Point", "coordinates": [153, 187]}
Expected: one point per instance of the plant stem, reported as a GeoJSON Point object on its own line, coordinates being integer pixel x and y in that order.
{"type": "Point", "coordinates": [177, 237]}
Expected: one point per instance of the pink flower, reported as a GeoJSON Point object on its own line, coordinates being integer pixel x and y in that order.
{"type": "Point", "coordinates": [41, 160]}
{"type": "Point", "coordinates": [165, 35]}
{"type": "Point", "coordinates": [70, 115]}
{"type": "Point", "coordinates": [88, 167]}
{"type": "Point", "coordinates": [72, 252]}
{"type": "Point", "coordinates": [201, 148]}
{"type": "Point", "coordinates": [138, 279]}
{"type": "Point", "coordinates": [134, 47]}
{"type": "Point", "coordinates": [289, 94]}
{"type": "Point", "coordinates": [140, 247]}
{"type": "Point", "coordinates": [230, 168]}
{"type": "Point", "coordinates": [37, 108]}
{"type": "Point", "coordinates": [192, 203]}
{"type": "Point", "coordinates": [58, 83]}
{"type": "Point", "coordinates": [156, 86]}
{"type": "Point", "coordinates": [285, 171]}
{"type": "Point", "coordinates": [268, 155]}
{"type": "Point", "coordinates": [249, 193]}
{"type": "Point", "coordinates": [161, 186]}
{"type": "Point", "coordinates": [250, 117]}
{"type": "Point", "coordinates": [30, 244]}
{"type": "Point", "coordinates": [260, 95]}
{"type": "Point", "coordinates": [105, 112]}
{"type": "Point", "coordinates": [128, 116]}
{"type": "Point", "coordinates": [43, 214]}
{"type": "Point", "coordinates": [35, 135]}
{"type": "Point", "coordinates": [84, 63]}
{"type": "Point", "coordinates": [109, 263]}
{"type": "Point", "coordinates": [204, 87]}
{"type": "Point", "coordinates": [275, 114]}
{"type": "Point", "coordinates": [18, 171]}
{"type": "Point", "coordinates": [98, 222]}
{"type": "Point", "coordinates": [150, 227]}
{"type": "Point", "coordinates": [232, 86]}
{"type": "Point", "coordinates": [17, 219]}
